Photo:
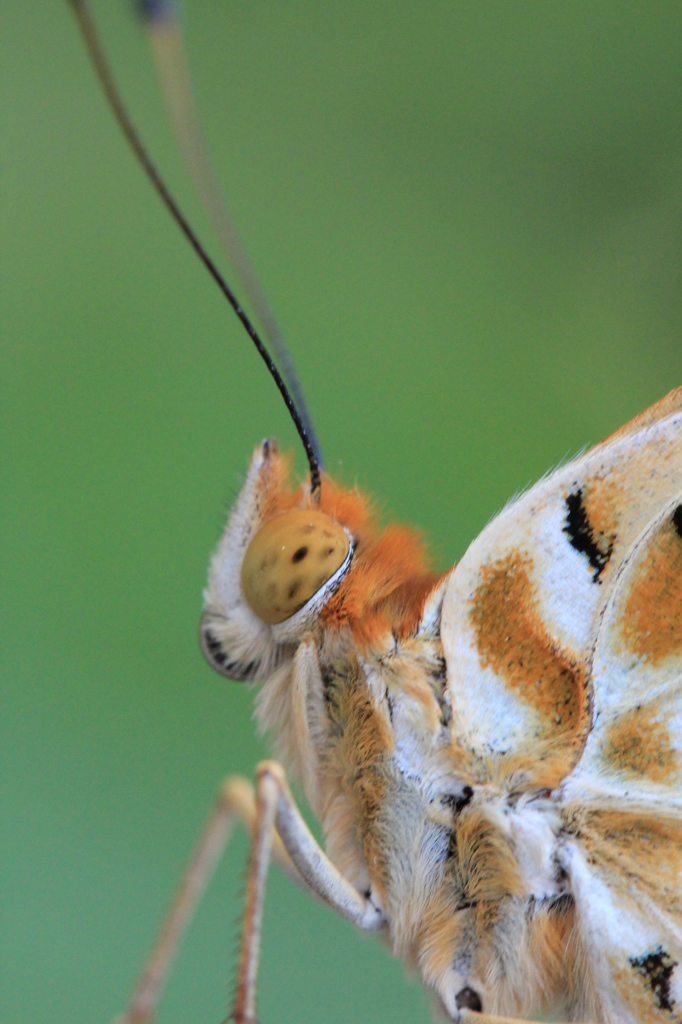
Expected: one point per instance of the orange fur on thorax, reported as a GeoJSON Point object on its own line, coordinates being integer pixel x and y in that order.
{"type": "Point", "coordinates": [391, 574]}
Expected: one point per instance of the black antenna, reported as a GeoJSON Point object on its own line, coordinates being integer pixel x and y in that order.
{"type": "Point", "coordinates": [164, 33]}
{"type": "Point", "coordinates": [119, 111]}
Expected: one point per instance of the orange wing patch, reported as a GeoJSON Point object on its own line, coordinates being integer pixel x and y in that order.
{"type": "Point", "coordinates": [638, 744]}
{"type": "Point", "coordinates": [512, 640]}
{"type": "Point", "coordinates": [652, 617]}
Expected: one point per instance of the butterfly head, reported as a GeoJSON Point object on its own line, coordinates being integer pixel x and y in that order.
{"type": "Point", "coordinates": [287, 566]}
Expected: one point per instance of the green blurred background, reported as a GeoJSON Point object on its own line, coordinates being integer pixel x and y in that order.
{"type": "Point", "coordinates": [467, 217]}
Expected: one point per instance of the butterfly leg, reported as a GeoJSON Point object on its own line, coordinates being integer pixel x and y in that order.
{"type": "Point", "coordinates": [275, 806]}
{"type": "Point", "coordinates": [236, 802]}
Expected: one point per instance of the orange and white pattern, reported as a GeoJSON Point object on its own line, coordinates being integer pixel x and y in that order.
{"type": "Point", "coordinates": [495, 753]}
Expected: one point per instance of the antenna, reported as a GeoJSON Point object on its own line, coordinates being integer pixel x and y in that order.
{"type": "Point", "coordinates": [101, 66]}
{"type": "Point", "coordinates": [164, 31]}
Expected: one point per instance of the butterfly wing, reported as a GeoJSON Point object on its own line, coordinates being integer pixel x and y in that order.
{"type": "Point", "coordinates": [634, 750]}
{"type": "Point", "coordinates": [624, 871]}
{"type": "Point", "coordinates": [562, 631]}
{"type": "Point", "coordinates": [623, 802]}
{"type": "Point", "coordinates": [522, 609]}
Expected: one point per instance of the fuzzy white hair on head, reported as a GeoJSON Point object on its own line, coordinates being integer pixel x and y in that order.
{"type": "Point", "coordinates": [235, 641]}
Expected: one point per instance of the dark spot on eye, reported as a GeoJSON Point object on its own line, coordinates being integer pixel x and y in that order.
{"type": "Point", "coordinates": [580, 533]}
{"type": "Point", "coordinates": [677, 520]}
{"type": "Point", "coordinates": [657, 967]}
{"type": "Point", "coordinates": [299, 555]}
{"type": "Point", "coordinates": [467, 999]}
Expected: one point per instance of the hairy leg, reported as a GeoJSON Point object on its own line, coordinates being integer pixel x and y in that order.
{"type": "Point", "coordinates": [293, 848]}
{"type": "Point", "coordinates": [275, 805]}
{"type": "Point", "coordinates": [236, 802]}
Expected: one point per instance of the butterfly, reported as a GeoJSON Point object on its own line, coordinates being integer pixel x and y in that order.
{"type": "Point", "coordinates": [491, 752]}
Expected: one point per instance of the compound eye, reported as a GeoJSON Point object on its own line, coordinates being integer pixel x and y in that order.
{"type": "Point", "coordinates": [289, 560]}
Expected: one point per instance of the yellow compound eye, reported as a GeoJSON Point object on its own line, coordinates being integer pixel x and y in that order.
{"type": "Point", "coordinates": [289, 560]}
